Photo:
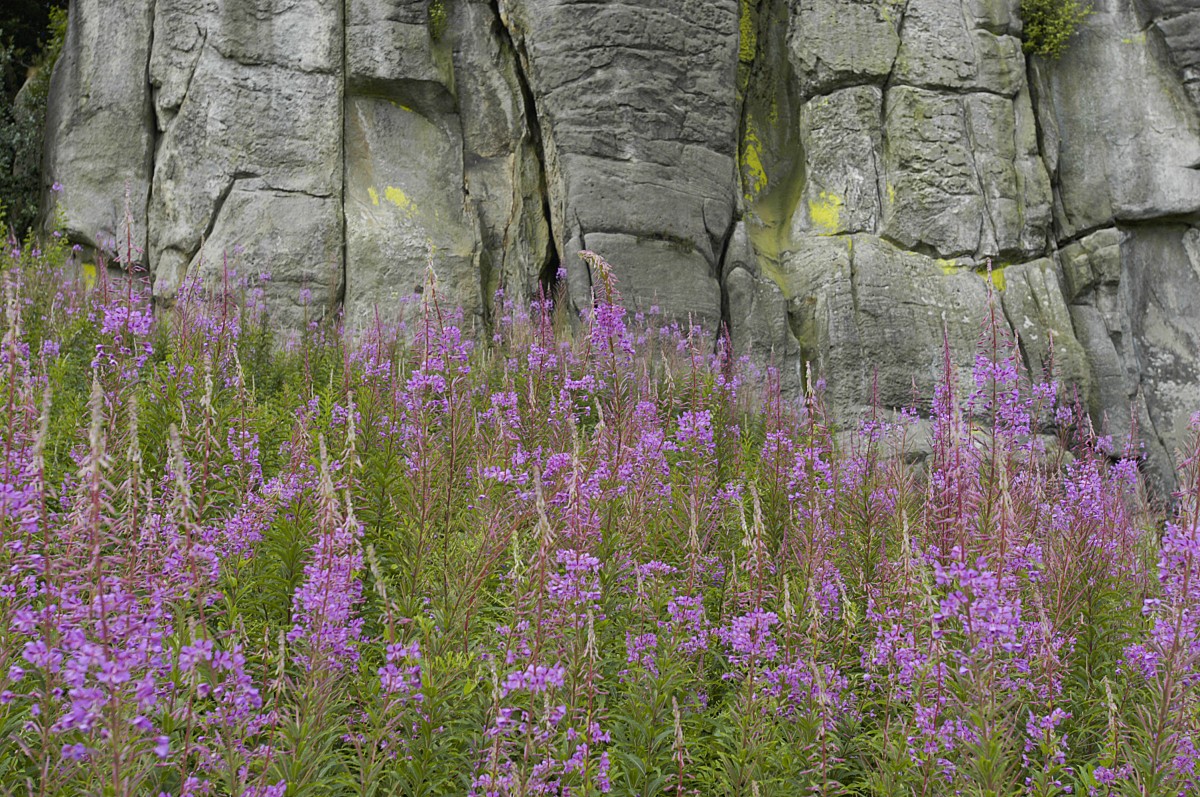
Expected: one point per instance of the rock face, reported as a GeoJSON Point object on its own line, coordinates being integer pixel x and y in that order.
{"type": "Point", "coordinates": [100, 125]}
{"type": "Point", "coordinates": [835, 182]}
{"type": "Point", "coordinates": [247, 104]}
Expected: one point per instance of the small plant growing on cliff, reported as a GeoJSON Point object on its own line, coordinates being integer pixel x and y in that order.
{"type": "Point", "coordinates": [438, 18]}
{"type": "Point", "coordinates": [1049, 24]}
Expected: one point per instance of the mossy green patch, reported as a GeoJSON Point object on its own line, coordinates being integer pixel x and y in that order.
{"type": "Point", "coordinates": [439, 18]}
{"type": "Point", "coordinates": [1049, 24]}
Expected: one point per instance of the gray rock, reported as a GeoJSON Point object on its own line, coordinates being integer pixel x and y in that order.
{"type": "Point", "coordinates": [963, 175]}
{"type": "Point", "coordinates": [389, 43]}
{"type": "Point", "coordinates": [1162, 270]}
{"type": "Point", "coordinates": [841, 138]}
{"type": "Point", "coordinates": [99, 127]}
{"type": "Point", "coordinates": [826, 177]}
{"type": "Point", "coordinates": [663, 277]}
{"type": "Point", "coordinates": [258, 228]}
{"type": "Point", "coordinates": [1134, 296]}
{"type": "Point", "coordinates": [839, 43]}
{"type": "Point", "coordinates": [939, 50]}
{"type": "Point", "coordinates": [996, 16]}
{"type": "Point", "coordinates": [872, 317]}
{"type": "Point", "coordinates": [405, 215]}
{"type": "Point", "coordinates": [1111, 397]}
{"type": "Point", "coordinates": [1090, 263]}
{"type": "Point", "coordinates": [1124, 149]}
{"type": "Point", "coordinates": [637, 107]}
{"type": "Point", "coordinates": [934, 202]}
{"type": "Point", "coordinates": [1012, 177]}
{"type": "Point", "coordinates": [246, 98]}
{"type": "Point", "coordinates": [1033, 303]}
{"type": "Point", "coordinates": [1177, 22]}
{"type": "Point", "coordinates": [503, 174]}
{"type": "Point", "coordinates": [758, 318]}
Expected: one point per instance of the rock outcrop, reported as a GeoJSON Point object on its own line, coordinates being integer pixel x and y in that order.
{"type": "Point", "coordinates": [835, 182]}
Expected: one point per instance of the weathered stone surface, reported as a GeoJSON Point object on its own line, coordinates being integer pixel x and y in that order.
{"type": "Point", "coordinates": [1012, 177]}
{"type": "Point", "coordinates": [1178, 23]}
{"type": "Point", "coordinates": [996, 16]}
{"type": "Point", "coordinates": [638, 113]}
{"type": "Point", "coordinates": [838, 43]}
{"type": "Point", "coordinates": [963, 174]}
{"type": "Point", "coordinates": [758, 320]}
{"type": "Point", "coordinates": [390, 43]}
{"type": "Point", "coordinates": [933, 197]}
{"type": "Point", "coordinates": [1092, 263]}
{"type": "Point", "coordinates": [660, 274]}
{"type": "Point", "coordinates": [841, 138]}
{"type": "Point", "coordinates": [1121, 149]}
{"type": "Point", "coordinates": [1109, 400]}
{"type": "Point", "coordinates": [246, 97]}
{"type": "Point", "coordinates": [1134, 308]}
{"type": "Point", "coordinates": [99, 126]}
{"type": "Point", "coordinates": [1161, 267]}
{"type": "Point", "coordinates": [504, 178]}
{"type": "Point", "coordinates": [867, 313]}
{"type": "Point", "coordinates": [939, 50]}
{"type": "Point", "coordinates": [1033, 303]}
{"type": "Point", "coordinates": [259, 227]}
{"type": "Point", "coordinates": [405, 215]}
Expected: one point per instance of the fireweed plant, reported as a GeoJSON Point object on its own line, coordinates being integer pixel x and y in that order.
{"type": "Point", "coordinates": [582, 556]}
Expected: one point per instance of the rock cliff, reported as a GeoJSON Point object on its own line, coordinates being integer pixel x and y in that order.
{"type": "Point", "coordinates": [828, 178]}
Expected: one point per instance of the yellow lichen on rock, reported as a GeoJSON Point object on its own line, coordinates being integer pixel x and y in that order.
{"type": "Point", "coordinates": [948, 267]}
{"type": "Point", "coordinates": [753, 172]}
{"type": "Point", "coordinates": [998, 280]}
{"type": "Point", "coordinates": [748, 38]}
{"type": "Point", "coordinates": [398, 198]}
{"type": "Point", "coordinates": [826, 212]}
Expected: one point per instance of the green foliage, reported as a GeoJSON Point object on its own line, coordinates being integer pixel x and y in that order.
{"type": "Point", "coordinates": [1050, 24]}
{"type": "Point", "coordinates": [439, 18]}
{"type": "Point", "coordinates": [23, 25]}
{"type": "Point", "coordinates": [22, 125]}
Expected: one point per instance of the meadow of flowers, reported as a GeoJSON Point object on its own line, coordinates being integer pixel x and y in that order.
{"type": "Point", "coordinates": [565, 557]}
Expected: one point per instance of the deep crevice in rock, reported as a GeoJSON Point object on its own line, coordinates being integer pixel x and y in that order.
{"type": "Point", "coordinates": [345, 247]}
{"type": "Point", "coordinates": [152, 156]}
{"type": "Point", "coordinates": [548, 273]}
{"type": "Point", "coordinates": [726, 329]}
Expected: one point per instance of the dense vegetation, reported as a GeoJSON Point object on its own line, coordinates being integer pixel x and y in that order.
{"type": "Point", "coordinates": [1048, 25]}
{"type": "Point", "coordinates": [582, 556]}
{"type": "Point", "coordinates": [31, 38]}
